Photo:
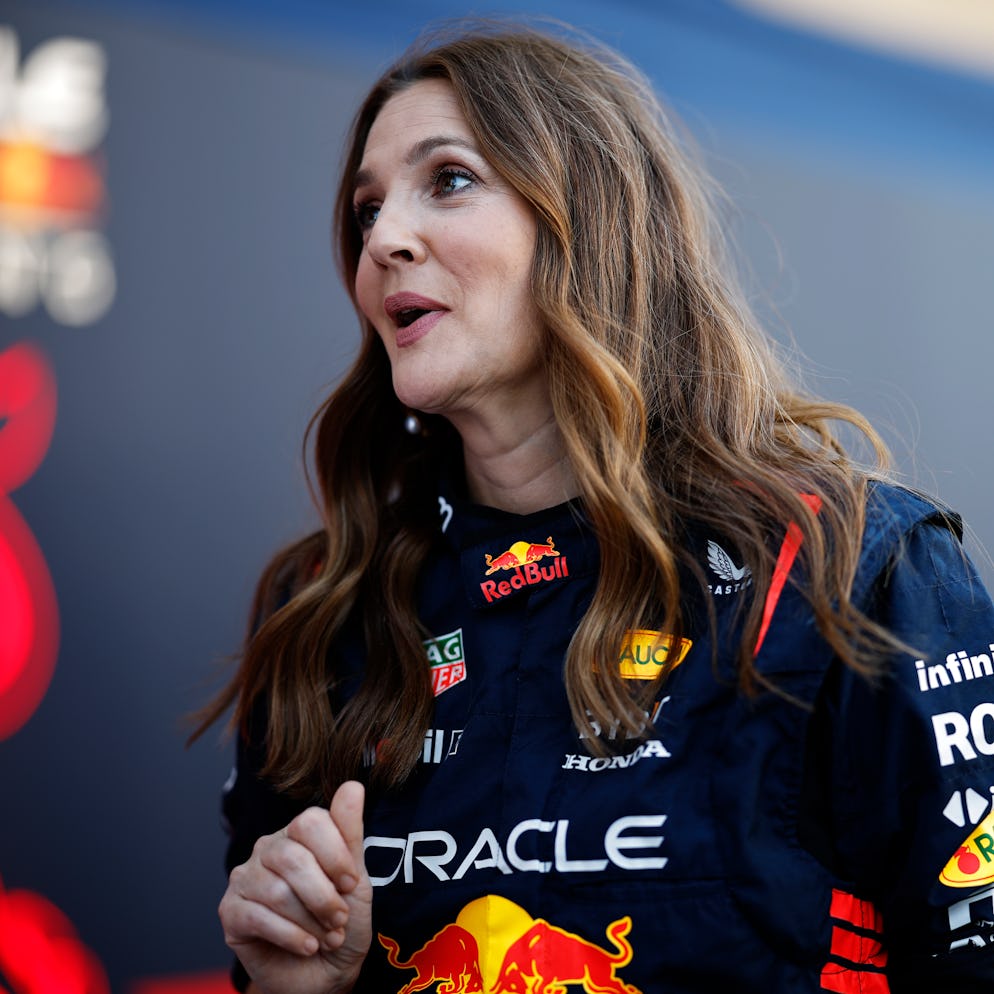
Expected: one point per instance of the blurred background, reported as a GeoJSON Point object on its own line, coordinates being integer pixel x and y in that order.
{"type": "Point", "coordinates": [170, 317]}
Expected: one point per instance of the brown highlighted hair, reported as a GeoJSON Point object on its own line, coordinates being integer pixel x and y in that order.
{"type": "Point", "coordinates": [672, 405]}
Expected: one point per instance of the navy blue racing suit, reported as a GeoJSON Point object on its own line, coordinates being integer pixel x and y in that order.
{"type": "Point", "coordinates": [832, 835]}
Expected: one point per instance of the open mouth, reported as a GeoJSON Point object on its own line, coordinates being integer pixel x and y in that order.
{"type": "Point", "coordinates": [413, 314]}
{"type": "Point", "coordinates": [409, 316]}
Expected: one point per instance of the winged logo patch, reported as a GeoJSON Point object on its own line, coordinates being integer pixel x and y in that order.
{"type": "Point", "coordinates": [735, 577]}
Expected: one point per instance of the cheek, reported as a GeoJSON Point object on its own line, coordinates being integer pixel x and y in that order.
{"type": "Point", "coordinates": [365, 287]}
{"type": "Point", "coordinates": [515, 269]}
{"type": "Point", "coordinates": [517, 242]}
{"type": "Point", "coordinates": [503, 274]}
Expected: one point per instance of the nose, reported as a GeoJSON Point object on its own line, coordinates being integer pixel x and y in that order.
{"type": "Point", "coordinates": [394, 237]}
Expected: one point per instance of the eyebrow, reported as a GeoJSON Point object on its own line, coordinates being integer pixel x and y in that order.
{"type": "Point", "coordinates": [418, 152]}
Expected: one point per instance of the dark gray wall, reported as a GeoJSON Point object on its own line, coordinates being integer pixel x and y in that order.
{"type": "Point", "coordinates": [173, 473]}
{"type": "Point", "coordinates": [865, 210]}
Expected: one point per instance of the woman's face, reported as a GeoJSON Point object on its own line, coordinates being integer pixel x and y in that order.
{"type": "Point", "coordinates": [444, 274]}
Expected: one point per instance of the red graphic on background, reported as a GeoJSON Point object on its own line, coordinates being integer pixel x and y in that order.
{"type": "Point", "coordinates": [29, 614]}
{"type": "Point", "coordinates": [34, 178]}
{"type": "Point", "coordinates": [40, 952]}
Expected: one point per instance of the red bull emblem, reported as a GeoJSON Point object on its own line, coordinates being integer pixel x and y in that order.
{"type": "Point", "coordinates": [521, 561]}
{"type": "Point", "coordinates": [450, 957]}
{"type": "Point", "coordinates": [547, 958]}
{"type": "Point", "coordinates": [496, 946]}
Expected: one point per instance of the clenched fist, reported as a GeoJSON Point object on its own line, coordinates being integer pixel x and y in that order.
{"type": "Point", "coordinates": [297, 914]}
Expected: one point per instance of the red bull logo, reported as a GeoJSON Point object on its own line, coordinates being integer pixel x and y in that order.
{"type": "Point", "coordinates": [547, 958]}
{"type": "Point", "coordinates": [521, 553]}
{"type": "Point", "coordinates": [494, 945]}
{"type": "Point", "coordinates": [451, 958]}
{"type": "Point", "coordinates": [521, 561]}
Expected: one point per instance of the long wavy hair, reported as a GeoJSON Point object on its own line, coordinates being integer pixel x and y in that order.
{"type": "Point", "coordinates": [673, 408]}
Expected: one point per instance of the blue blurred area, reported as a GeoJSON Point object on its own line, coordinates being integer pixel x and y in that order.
{"type": "Point", "coordinates": [710, 58]}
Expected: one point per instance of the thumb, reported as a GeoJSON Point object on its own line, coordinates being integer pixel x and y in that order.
{"type": "Point", "coordinates": [346, 813]}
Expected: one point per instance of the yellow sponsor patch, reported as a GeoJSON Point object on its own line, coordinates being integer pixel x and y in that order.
{"type": "Point", "coordinates": [644, 653]}
{"type": "Point", "coordinates": [973, 863]}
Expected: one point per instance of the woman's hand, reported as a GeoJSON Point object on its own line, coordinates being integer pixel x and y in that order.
{"type": "Point", "coordinates": [297, 914]}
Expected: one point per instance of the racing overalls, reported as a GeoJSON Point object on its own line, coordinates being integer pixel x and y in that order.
{"type": "Point", "coordinates": [828, 835]}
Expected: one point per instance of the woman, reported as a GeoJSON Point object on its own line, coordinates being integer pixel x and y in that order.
{"type": "Point", "coordinates": [705, 706]}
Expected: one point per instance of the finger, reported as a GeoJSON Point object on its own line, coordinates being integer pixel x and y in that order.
{"type": "Point", "coordinates": [296, 885]}
{"type": "Point", "coordinates": [346, 813]}
{"type": "Point", "coordinates": [247, 921]}
{"type": "Point", "coordinates": [316, 830]}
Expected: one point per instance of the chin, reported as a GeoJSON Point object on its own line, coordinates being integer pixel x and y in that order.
{"type": "Point", "coordinates": [427, 386]}
{"type": "Point", "coordinates": [420, 397]}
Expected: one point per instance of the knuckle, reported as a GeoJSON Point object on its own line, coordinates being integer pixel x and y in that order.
{"type": "Point", "coordinates": [235, 919]}
{"type": "Point", "coordinates": [307, 824]}
{"type": "Point", "coordinates": [278, 892]}
{"type": "Point", "coordinates": [286, 858]}
{"type": "Point", "coordinates": [251, 920]}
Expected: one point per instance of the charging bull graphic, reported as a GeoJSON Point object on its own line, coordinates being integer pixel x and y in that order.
{"type": "Point", "coordinates": [546, 959]}
{"type": "Point", "coordinates": [495, 946]}
{"type": "Point", "coordinates": [519, 554]}
{"type": "Point", "coordinates": [521, 562]}
{"type": "Point", "coordinates": [451, 957]}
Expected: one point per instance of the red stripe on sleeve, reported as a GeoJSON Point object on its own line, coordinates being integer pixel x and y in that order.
{"type": "Point", "coordinates": [860, 950]}
{"type": "Point", "coordinates": [843, 981]}
{"type": "Point", "coordinates": [857, 948]}
{"type": "Point", "coordinates": [851, 909]}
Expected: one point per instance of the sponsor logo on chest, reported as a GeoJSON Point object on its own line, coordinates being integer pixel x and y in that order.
{"type": "Point", "coordinates": [447, 661]}
{"type": "Point", "coordinates": [495, 945]}
{"type": "Point", "coordinates": [533, 845]}
{"type": "Point", "coordinates": [645, 652]}
{"type": "Point", "coordinates": [439, 744]}
{"type": "Point", "coordinates": [518, 567]}
{"type": "Point", "coordinates": [734, 578]}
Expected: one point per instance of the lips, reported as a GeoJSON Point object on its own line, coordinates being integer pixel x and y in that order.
{"type": "Point", "coordinates": [413, 314]}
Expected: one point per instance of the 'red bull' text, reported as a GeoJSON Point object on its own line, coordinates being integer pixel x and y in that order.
{"type": "Point", "coordinates": [525, 575]}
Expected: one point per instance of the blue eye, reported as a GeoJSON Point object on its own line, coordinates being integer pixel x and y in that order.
{"type": "Point", "coordinates": [365, 215]}
{"type": "Point", "coordinates": [448, 180]}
